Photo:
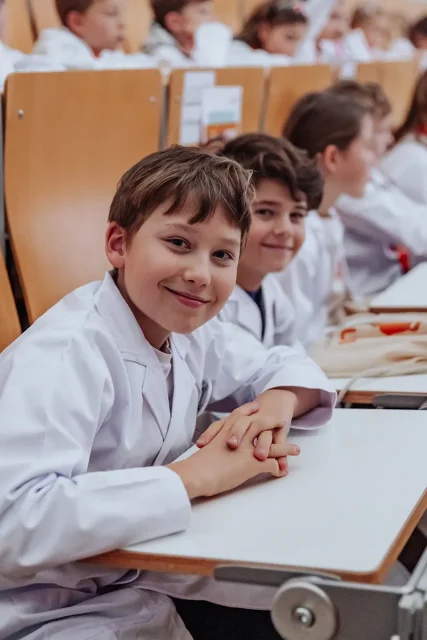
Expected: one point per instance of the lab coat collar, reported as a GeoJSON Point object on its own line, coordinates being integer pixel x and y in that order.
{"type": "Point", "coordinates": [246, 311]}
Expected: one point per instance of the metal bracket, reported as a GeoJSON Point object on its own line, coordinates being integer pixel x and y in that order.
{"type": "Point", "coordinates": [399, 401]}
{"type": "Point", "coordinates": [318, 606]}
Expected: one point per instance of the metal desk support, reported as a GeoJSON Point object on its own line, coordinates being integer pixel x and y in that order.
{"type": "Point", "coordinates": [321, 607]}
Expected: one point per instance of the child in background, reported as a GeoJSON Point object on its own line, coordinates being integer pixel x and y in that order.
{"type": "Point", "coordinates": [406, 164]}
{"type": "Point", "coordinates": [90, 38]}
{"type": "Point", "coordinates": [184, 33]}
{"type": "Point", "coordinates": [368, 38]}
{"type": "Point", "coordinates": [287, 186]}
{"type": "Point", "coordinates": [100, 397]}
{"type": "Point", "coordinates": [337, 132]}
{"type": "Point", "coordinates": [330, 43]}
{"type": "Point", "coordinates": [271, 35]}
{"type": "Point", "coordinates": [417, 34]}
{"type": "Point", "coordinates": [385, 218]}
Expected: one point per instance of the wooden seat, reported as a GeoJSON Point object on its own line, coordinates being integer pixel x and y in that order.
{"type": "Point", "coordinates": [138, 19]}
{"type": "Point", "coordinates": [19, 33]}
{"type": "Point", "coordinates": [44, 15]}
{"type": "Point", "coordinates": [9, 322]}
{"type": "Point", "coordinates": [397, 79]}
{"type": "Point", "coordinates": [69, 138]}
{"type": "Point", "coordinates": [286, 85]}
{"type": "Point", "coordinates": [251, 79]}
{"type": "Point", "coordinates": [229, 12]}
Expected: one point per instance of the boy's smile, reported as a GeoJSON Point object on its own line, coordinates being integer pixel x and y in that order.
{"type": "Point", "coordinates": [174, 275]}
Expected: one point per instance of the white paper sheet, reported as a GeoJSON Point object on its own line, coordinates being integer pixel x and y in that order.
{"type": "Point", "coordinates": [221, 112]}
{"type": "Point", "coordinates": [195, 82]}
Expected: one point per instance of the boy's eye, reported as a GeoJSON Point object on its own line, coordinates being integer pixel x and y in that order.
{"type": "Point", "coordinates": [223, 255]}
{"type": "Point", "coordinates": [297, 216]}
{"type": "Point", "coordinates": [265, 213]}
{"type": "Point", "coordinates": [180, 243]}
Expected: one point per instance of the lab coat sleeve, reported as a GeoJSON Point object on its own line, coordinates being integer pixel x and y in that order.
{"type": "Point", "coordinates": [388, 216]}
{"type": "Point", "coordinates": [55, 396]}
{"type": "Point", "coordinates": [241, 368]}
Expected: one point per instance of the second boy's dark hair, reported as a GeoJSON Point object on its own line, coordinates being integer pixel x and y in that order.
{"type": "Point", "coordinates": [179, 178]}
{"type": "Point", "coordinates": [277, 159]}
{"type": "Point", "coordinates": [64, 7]}
{"type": "Point", "coordinates": [371, 95]}
{"type": "Point", "coordinates": [162, 7]}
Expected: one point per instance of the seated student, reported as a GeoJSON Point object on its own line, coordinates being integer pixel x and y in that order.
{"type": "Point", "coordinates": [406, 164]}
{"type": "Point", "coordinates": [368, 37]}
{"type": "Point", "coordinates": [100, 396]}
{"type": "Point", "coordinates": [271, 35]}
{"type": "Point", "coordinates": [385, 218]}
{"type": "Point", "coordinates": [12, 60]}
{"type": "Point", "coordinates": [184, 33]}
{"type": "Point", "coordinates": [330, 45]}
{"type": "Point", "coordinates": [337, 132]}
{"type": "Point", "coordinates": [90, 38]}
{"type": "Point", "coordinates": [287, 186]}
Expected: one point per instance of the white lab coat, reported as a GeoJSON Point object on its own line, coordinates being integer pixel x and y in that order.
{"type": "Point", "coordinates": [241, 54]}
{"type": "Point", "coordinates": [12, 61]}
{"type": "Point", "coordinates": [85, 427]}
{"type": "Point", "coordinates": [212, 43]}
{"type": "Point", "coordinates": [316, 275]}
{"type": "Point", "coordinates": [406, 166]}
{"type": "Point", "coordinates": [356, 47]}
{"type": "Point", "coordinates": [384, 218]}
{"type": "Point", "coordinates": [62, 47]}
{"type": "Point", "coordinates": [8, 59]}
{"type": "Point", "coordinates": [279, 314]}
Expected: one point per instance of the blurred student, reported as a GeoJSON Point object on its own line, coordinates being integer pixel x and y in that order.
{"type": "Point", "coordinates": [368, 38]}
{"type": "Point", "coordinates": [91, 37]}
{"type": "Point", "coordinates": [385, 220]}
{"type": "Point", "coordinates": [185, 33]}
{"type": "Point", "coordinates": [272, 35]}
{"type": "Point", "coordinates": [337, 133]}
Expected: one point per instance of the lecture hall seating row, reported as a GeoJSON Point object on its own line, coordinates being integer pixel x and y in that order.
{"type": "Point", "coordinates": [70, 153]}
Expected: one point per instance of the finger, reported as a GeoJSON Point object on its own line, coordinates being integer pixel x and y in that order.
{"type": "Point", "coordinates": [284, 449]}
{"type": "Point", "coordinates": [283, 465]}
{"type": "Point", "coordinates": [279, 435]}
{"type": "Point", "coordinates": [246, 409]}
{"type": "Point", "coordinates": [260, 425]}
{"type": "Point", "coordinates": [263, 445]}
{"type": "Point", "coordinates": [210, 433]}
{"type": "Point", "coordinates": [272, 467]}
{"type": "Point", "coordinates": [238, 430]}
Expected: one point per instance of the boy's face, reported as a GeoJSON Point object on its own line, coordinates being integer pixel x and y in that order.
{"type": "Point", "coordinates": [175, 276]}
{"type": "Point", "coordinates": [283, 39]}
{"type": "Point", "coordinates": [277, 230]}
{"type": "Point", "coordinates": [101, 26]}
{"type": "Point", "coordinates": [383, 135]}
{"type": "Point", "coordinates": [183, 24]}
{"type": "Point", "coordinates": [337, 25]}
{"type": "Point", "coordinates": [353, 165]}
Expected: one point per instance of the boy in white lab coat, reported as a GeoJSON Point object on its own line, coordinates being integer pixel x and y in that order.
{"type": "Point", "coordinates": [287, 186]}
{"type": "Point", "coordinates": [184, 33]}
{"type": "Point", "coordinates": [100, 396]}
{"type": "Point", "coordinates": [90, 38]}
{"type": "Point", "coordinates": [385, 218]}
{"type": "Point", "coordinates": [336, 132]}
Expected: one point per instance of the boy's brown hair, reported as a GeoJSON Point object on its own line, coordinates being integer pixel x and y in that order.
{"type": "Point", "coordinates": [274, 13]}
{"type": "Point", "coordinates": [64, 7]}
{"type": "Point", "coordinates": [323, 118]}
{"type": "Point", "coordinates": [183, 176]}
{"type": "Point", "coordinates": [161, 8]}
{"type": "Point", "coordinates": [277, 159]}
{"type": "Point", "coordinates": [369, 94]}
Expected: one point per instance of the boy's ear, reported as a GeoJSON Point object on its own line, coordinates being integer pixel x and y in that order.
{"type": "Point", "coordinates": [264, 30]}
{"type": "Point", "coordinates": [330, 158]}
{"type": "Point", "coordinates": [115, 245]}
{"type": "Point", "coordinates": [74, 21]}
{"type": "Point", "coordinates": [173, 22]}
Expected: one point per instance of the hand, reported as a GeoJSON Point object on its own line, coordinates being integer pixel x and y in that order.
{"type": "Point", "coordinates": [267, 420]}
{"type": "Point", "coordinates": [217, 468]}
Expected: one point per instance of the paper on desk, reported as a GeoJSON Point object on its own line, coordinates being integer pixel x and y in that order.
{"type": "Point", "coordinates": [195, 82]}
{"type": "Point", "coordinates": [221, 112]}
